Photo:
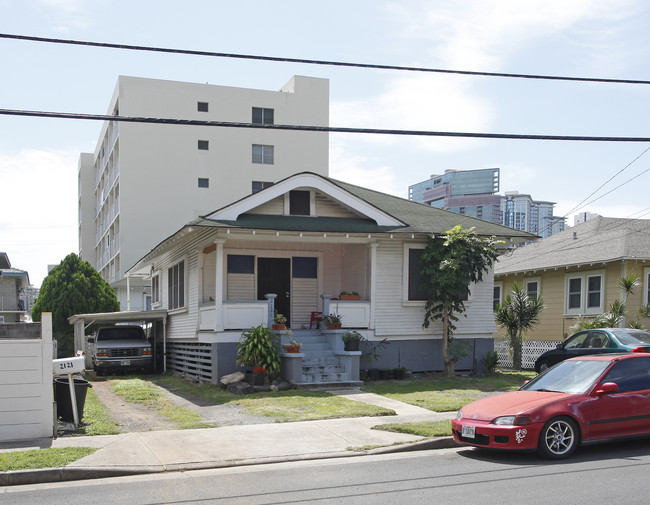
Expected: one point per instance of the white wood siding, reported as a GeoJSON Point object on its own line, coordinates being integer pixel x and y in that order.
{"type": "Point", "coordinates": [304, 301]}
{"type": "Point", "coordinates": [240, 287]}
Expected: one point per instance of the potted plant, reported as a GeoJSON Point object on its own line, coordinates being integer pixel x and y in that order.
{"type": "Point", "coordinates": [258, 348]}
{"type": "Point", "coordinates": [351, 340]}
{"type": "Point", "coordinates": [344, 295]}
{"type": "Point", "coordinates": [293, 346]}
{"type": "Point", "coordinates": [260, 375]}
{"type": "Point", "coordinates": [279, 321]}
{"type": "Point", "coordinates": [332, 321]}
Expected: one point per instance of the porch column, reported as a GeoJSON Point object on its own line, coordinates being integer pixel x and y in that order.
{"type": "Point", "coordinates": [326, 304]}
{"type": "Point", "coordinates": [219, 285]}
{"type": "Point", "coordinates": [271, 315]}
{"type": "Point", "coordinates": [373, 284]}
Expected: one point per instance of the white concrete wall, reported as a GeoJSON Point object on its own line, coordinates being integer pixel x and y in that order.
{"type": "Point", "coordinates": [159, 165]}
{"type": "Point", "coordinates": [26, 398]}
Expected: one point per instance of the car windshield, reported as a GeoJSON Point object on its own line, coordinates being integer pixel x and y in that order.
{"type": "Point", "coordinates": [632, 337]}
{"type": "Point", "coordinates": [572, 377]}
{"type": "Point", "coordinates": [120, 334]}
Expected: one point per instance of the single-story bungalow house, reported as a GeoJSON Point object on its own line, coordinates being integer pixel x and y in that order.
{"type": "Point", "coordinates": [577, 272]}
{"type": "Point", "coordinates": [293, 248]}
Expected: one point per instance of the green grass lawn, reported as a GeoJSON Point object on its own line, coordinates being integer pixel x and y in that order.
{"type": "Point", "coordinates": [41, 458]}
{"type": "Point", "coordinates": [444, 394]}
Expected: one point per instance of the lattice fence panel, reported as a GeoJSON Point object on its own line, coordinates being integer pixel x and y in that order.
{"type": "Point", "coordinates": [190, 359]}
{"type": "Point", "coordinates": [529, 353]}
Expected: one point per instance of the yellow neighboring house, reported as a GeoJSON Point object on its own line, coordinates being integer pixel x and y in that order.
{"type": "Point", "coordinates": [577, 272]}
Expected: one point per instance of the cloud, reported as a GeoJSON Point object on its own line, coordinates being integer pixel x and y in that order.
{"type": "Point", "coordinates": [363, 171]}
{"type": "Point", "coordinates": [38, 209]}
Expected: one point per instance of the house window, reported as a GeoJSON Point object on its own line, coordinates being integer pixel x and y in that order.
{"type": "Point", "coordinates": [241, 264]}
{"type": "Point", "coordinates": [263, 154]}
{"type": "Point", "coordinates": [204, 145]}
{"type": "Point", "coordinates": [533, 287]}
{"type": "Point", "coordinates": [202, 106]}
{"type": "Point", "coordinates": [204, 183]}
{"type": "Point", "coordinates": [575, 293]}
{"type": "Point", "coordinates": [155, 289]}
{"type": "Point", "coordinates": [498, 290]}
{"type": "Point", "coordinates": [304, 267]}
{"type": "Point", "coordinates": [299, 203]}
{"type": "Point", "coordinates": [584, 293]}
{"type": "Point", "coordinates": [646, 292]}
{"type": "Point", "coordinates": [260, 185]}
{"type": "Point", "coordinates": [262, 116]}
{"type": "Point", "coordinates": [415, 288]}
{"type": "Point", "coordinates": [593, 291]}
{"type": "Point", "coordinates": [176, 286]}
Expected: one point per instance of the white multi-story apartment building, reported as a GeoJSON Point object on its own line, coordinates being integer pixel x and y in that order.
{"type": "Point", "coordinates": [145, 181]}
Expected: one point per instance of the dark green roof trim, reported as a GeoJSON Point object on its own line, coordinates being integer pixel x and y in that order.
{"type": "Point", "coordinates": [303, 223]}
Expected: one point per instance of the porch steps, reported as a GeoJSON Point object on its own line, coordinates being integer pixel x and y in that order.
{"type": "Point", "coordinates": [321, 368]}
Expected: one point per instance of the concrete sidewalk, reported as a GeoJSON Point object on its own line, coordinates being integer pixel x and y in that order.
{"type": "Point", "coordinates": [174, 450]}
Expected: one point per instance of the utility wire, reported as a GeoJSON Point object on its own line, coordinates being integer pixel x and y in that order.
{"type": "Point", "coordinates": [316, 62]}
{"type": "Point", "coordinates": [329, 129]}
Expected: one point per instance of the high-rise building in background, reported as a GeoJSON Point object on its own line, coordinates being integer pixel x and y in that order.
{"type": "Point", "coordinates": [146, 180]}
{"type": "Point", "coordinates": [474, 193]}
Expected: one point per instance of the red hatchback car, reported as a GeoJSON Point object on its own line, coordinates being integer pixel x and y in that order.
{"type": "Point", "coordinates": [578, 401]}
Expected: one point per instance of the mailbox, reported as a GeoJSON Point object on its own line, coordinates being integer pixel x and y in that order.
{"type": "Point", "coordinates": [67, 366]}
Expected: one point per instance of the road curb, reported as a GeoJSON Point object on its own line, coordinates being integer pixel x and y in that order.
{"type": "Point", "coordinates": [41, 476]}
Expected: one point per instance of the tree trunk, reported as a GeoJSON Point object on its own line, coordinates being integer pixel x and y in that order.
{"type": "Point", "coordinates": [516, 352]}
{"type": "Point", "coordinates": [449, 362]}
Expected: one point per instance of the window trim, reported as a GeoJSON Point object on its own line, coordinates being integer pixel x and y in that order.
{"type": "Point", "coordinates": [497, 284]}
{"type": "Point", "coordinates": [183, 307]}
{"type": "Point", "coordinates": [584, 283]}
{"type": "Point", "coordinates": [155, 289]}
{"type": "Point", "coordinates": [405, 274]}
{"type": "Point", "coordinates": [531, 280]}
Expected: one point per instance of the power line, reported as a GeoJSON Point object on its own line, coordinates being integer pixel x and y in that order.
{"type": "Point", "coordinates": [316, 62]}
{"type": "Point", "coordinates": [328, 129]}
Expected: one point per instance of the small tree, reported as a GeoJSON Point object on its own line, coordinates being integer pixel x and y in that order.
{"type": "Point", "coordinates": [517, 314]}
{"type": "Point", "coordinates": [72, 287]}
{"type": "Point", "coordinates": [449, 264]}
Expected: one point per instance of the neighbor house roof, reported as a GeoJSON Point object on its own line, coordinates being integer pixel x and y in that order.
{"type": "Point", "coordinates": [597, 241]}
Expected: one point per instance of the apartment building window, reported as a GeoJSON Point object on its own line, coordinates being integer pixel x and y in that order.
{"type": "Point", "coordinates": [202, 106]}
{"type": "Point", "coordinates": [176, 286]}
{"type": "Point", "coordinates": [263, 154]}
{"type": "Point", "coordinates": [204, 145]}
{"type": "Point", "coordinates": [204, 183]}
{"type": "Point", "coordinates": [646, 293]}
{"type": "Point", "coordinates": [262, 116]}
{"type": "Point", "coordinates": [584, 293]}
{"type": "Point", "coordinates": [260, 185]}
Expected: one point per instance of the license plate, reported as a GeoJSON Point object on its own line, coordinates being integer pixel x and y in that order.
{"type": "Point", "coordinates": [125, 362]}
{"type": "Point", "coordinates": [469, 431]}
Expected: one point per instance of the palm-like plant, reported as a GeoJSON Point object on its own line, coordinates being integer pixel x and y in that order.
{"type": "Point", "coordinates": [517, 314]}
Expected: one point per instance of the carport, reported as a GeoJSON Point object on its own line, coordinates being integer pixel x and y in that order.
{"type": "Point", "coordinates": [155, 317]}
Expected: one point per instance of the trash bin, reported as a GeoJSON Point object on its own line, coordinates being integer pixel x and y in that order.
{"type": "Point", "coordinates": [62, 397]}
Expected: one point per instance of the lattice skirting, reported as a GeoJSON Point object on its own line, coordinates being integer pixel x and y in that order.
{"type": "Point", "coordinates": [190, 359]}
{"type": "Point", "coordinates": [530, 352]}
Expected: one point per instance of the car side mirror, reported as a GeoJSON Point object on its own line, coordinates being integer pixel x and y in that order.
{"type": "Point", "coordinates": [607, 389]}
{"type": "Point", "coordinates": [91, 340]}
{"type": "Point", "coordinates": [559, 346]}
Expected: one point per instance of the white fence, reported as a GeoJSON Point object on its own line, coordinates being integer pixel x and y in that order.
{"type": "Point", "coordinates": [26, 399]}
{"type": "Point", "coordinates": [530, 352]}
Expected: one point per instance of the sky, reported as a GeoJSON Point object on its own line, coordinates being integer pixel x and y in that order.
{"type": "Point", "coordinates": [582, 38]}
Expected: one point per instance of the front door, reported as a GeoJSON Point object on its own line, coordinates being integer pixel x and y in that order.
{"type": "Point", "coordinates": [274, 276]}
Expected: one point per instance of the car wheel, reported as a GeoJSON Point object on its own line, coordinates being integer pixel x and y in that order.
{"type": "Point", "coordinates": [559, 438]}
{"type": "Point", "coordinates": [542, 365]}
